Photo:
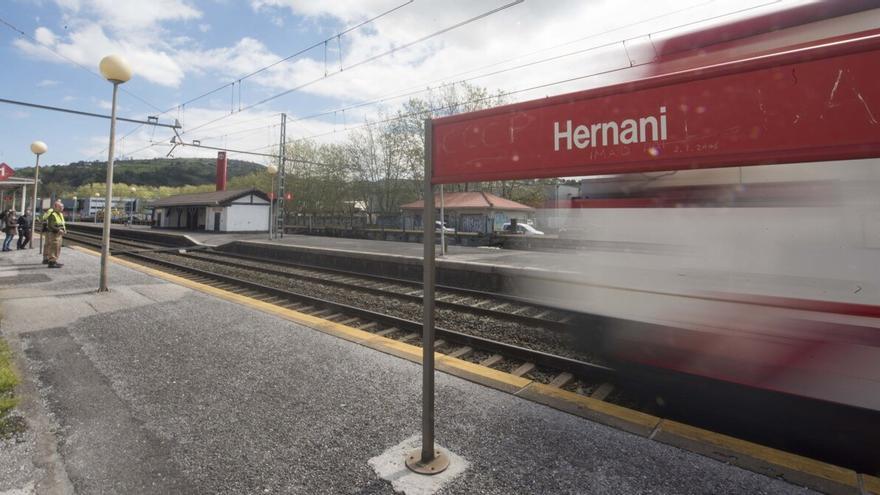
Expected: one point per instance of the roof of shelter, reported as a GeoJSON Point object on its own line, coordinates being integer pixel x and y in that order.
{"type": "Point", "coordinates": [213, 198]}
{"type": "Point", "coordinates": [470, 200]}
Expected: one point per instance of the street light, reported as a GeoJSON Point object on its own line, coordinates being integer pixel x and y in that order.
{"type": "Point", "coordinates": [272, 170]}
{"type": "Point", "coordinates": [131, 218]}
{"type": "Point", "coordinates": [115, 69]}
{"type": "Point", "coordinates": [95, 218]}
{"type": "Point", "coordinates": [37, 148]}
{"type": "Point", "coordinates": [73, 216]}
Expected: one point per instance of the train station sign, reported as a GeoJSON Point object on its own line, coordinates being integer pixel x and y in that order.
{"type": "Point", "coordinates": [814, 103]}
{"type": "Point", "coordinates": [6, 171]}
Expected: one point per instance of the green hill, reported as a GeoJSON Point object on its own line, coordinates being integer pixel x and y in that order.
{"type": "Point", "coordinates": [155, 172]}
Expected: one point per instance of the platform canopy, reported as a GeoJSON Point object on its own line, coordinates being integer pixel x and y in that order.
{"type": "Point", "coordinates": [14, 183]}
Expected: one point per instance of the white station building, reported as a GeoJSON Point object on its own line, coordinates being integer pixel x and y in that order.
{"type": "Point", "coordinates": [243, 210]}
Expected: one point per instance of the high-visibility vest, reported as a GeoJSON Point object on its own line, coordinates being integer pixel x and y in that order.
{"type": "Point", "coordinates": [53, 219]}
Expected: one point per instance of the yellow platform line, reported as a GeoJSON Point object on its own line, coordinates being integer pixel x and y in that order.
{"type": "Point", "coordinates": [796, 469]}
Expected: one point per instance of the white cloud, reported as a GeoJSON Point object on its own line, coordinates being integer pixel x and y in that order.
{"type": "Point", "coordinates": [204, 28]}
{"type": "Point", "coordinates": [45, 36]}
{"type": "Point", "coordinates": [45, 83]}
{"type": "Point", "coordinates": [88, 44]}
{"type": "Point", "coordinates": [345, 10]}
{"type": "Point", "coordinates": [123, 15]}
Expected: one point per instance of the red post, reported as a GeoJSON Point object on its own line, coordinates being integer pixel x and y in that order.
{"type": "Point", "coordinates": [221, 170]}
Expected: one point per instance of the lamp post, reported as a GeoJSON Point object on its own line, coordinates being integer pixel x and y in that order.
{"type": "Point", "coordinates": [116, 70]}
{"type": "Point", "coordinates": [37, 148]}
{"type": "Point", "coordinates": [95, 218]}
{"type": "Point", "coordinates": [75, 205]}
{"type": "Point", "coordinates": [272, 170]}
{"type": "Point", "coordinates": [131, 218]}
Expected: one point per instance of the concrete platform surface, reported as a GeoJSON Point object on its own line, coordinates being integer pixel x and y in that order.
{"type": "Point", "coordinates": [157, 388]}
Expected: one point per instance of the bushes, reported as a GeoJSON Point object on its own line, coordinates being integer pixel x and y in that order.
{"type": "Point", "coordinates": [8, 381]}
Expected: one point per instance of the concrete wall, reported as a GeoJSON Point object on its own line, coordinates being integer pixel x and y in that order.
{"type": "Point", "coordinates": [247, 214]}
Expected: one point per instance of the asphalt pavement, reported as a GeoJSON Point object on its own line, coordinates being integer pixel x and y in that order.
{"type": "Point", "coordinates": [157, 388]}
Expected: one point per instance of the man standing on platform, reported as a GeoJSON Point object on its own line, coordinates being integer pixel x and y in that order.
{"type": "Point", "coordinates": [24, 230]}
{"type": "Point", "coordinates": [55, 229]}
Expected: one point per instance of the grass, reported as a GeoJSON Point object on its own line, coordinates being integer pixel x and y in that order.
{"type": "Point", "coordinates": [8, 381]}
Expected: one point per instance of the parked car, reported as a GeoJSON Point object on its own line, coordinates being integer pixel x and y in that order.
{"type": "Point", "coordinates": [446, 228]}
{"type": "Point", "coordinates": [521, 229]}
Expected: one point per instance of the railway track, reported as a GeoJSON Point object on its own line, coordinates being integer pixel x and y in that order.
{"type": "Point", "coordinates": [764, 417]}
{"type": "Point", "coordinates": [589, 378]}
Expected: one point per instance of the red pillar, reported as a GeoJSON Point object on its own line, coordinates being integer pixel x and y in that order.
{"type": "Point", "coordinates": [221, 170]}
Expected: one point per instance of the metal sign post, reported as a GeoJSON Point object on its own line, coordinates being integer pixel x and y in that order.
{"type": "Point", "coordinates": [428, 460]}
{"type": "Point", "coordinates": [442, 224]}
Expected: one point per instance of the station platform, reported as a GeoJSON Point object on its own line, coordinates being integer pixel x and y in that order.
{"type": "Point", "coordinates": [673, 269]}
{"type": "Point", "coordinates": [165, 386]}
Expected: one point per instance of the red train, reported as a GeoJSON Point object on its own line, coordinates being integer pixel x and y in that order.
{"type": "Point", "coordinates": [764, 275]}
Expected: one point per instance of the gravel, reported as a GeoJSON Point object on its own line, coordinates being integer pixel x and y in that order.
{"type": "Point", "coordinates": [530, 337]}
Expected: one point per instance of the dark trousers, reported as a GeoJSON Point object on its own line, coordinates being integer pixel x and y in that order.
{"type": "Point", "coordinates": [24, 237]}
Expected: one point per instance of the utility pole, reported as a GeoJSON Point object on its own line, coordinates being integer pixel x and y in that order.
{"type": "Point", "coordinates": [279, 194]}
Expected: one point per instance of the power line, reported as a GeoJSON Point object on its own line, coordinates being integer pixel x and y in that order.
{"type": "Point", "coordinates": [366, 60]}
{"type": "Point", "coordinates": [449, 82]}
{"type": "Point", "coordinates": [74, 62]}
{"type": "Point", "coordinates": [500, 71]}
{"type": "Point", "coordinates": [285, 59]}
{"type": "Point", "coordinates": [529, 64]}
{"type": "Point", "coordinates": [477, 100]}
{"type": "Point", "coordinates": [88, 114]}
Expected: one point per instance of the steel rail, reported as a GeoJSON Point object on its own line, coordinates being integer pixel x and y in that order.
{"type": "Point", "coordinates": [576, 367]}
{"type": "Point", "coordinates": [553, 325]}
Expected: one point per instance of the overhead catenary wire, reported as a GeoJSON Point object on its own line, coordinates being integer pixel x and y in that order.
{"type": "Point", "coordinates": [289, 57]}
{"type": "Point", "coordinates": [454, 78]}
{"type": "Point", "coordinates": [516, 91]}
{"type": "Point", "coordinates": [528, 64]}
{"type": "Point", "coordinates": [74, 62]}
{"type": "Point", "coordinates": [364, 61]}
{"type": "Point", "coordinates": [345, 129]}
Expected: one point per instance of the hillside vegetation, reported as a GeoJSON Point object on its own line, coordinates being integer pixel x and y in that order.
{"type": "Point", "coordinates": [157, 172]}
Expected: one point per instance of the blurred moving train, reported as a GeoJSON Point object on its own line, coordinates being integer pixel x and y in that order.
{"type": "Point", "coordinates": [766, 275]}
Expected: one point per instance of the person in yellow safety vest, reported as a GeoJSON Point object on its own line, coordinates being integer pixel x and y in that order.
{"type": "Point", "coordinates": [53, 226]}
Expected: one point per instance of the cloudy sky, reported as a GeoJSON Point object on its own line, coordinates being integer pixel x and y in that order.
{"type": "Point", "coordinates": [181, 49]}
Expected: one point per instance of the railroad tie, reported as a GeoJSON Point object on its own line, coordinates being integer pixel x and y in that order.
{"type": "Point", "coordinates": [349, 321]}
{"type": "Point", "coordinates": [523, 369]}
{"type": "Point", "coordinates": [462, 352]}
{"type": "Point", "coordinates": [368, 326]}
{"type": "Point", "coordinates": [407, 338]}
{"type": "Point", "coordinates": [562, 379]}
{"type": "Point", "coordinates": [492, 360]}
{"type": "Point", "coordinates": [386, 332]}
{"type": "Point", "coordinates": [602, 391]}
{"type": "Point", "coordinates": [543, 313]}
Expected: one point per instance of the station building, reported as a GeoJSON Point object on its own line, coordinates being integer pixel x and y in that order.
{"type": "Point", "coordinates": [473, 211]}
{"type": "Point", "coordinates": [242, 210]}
